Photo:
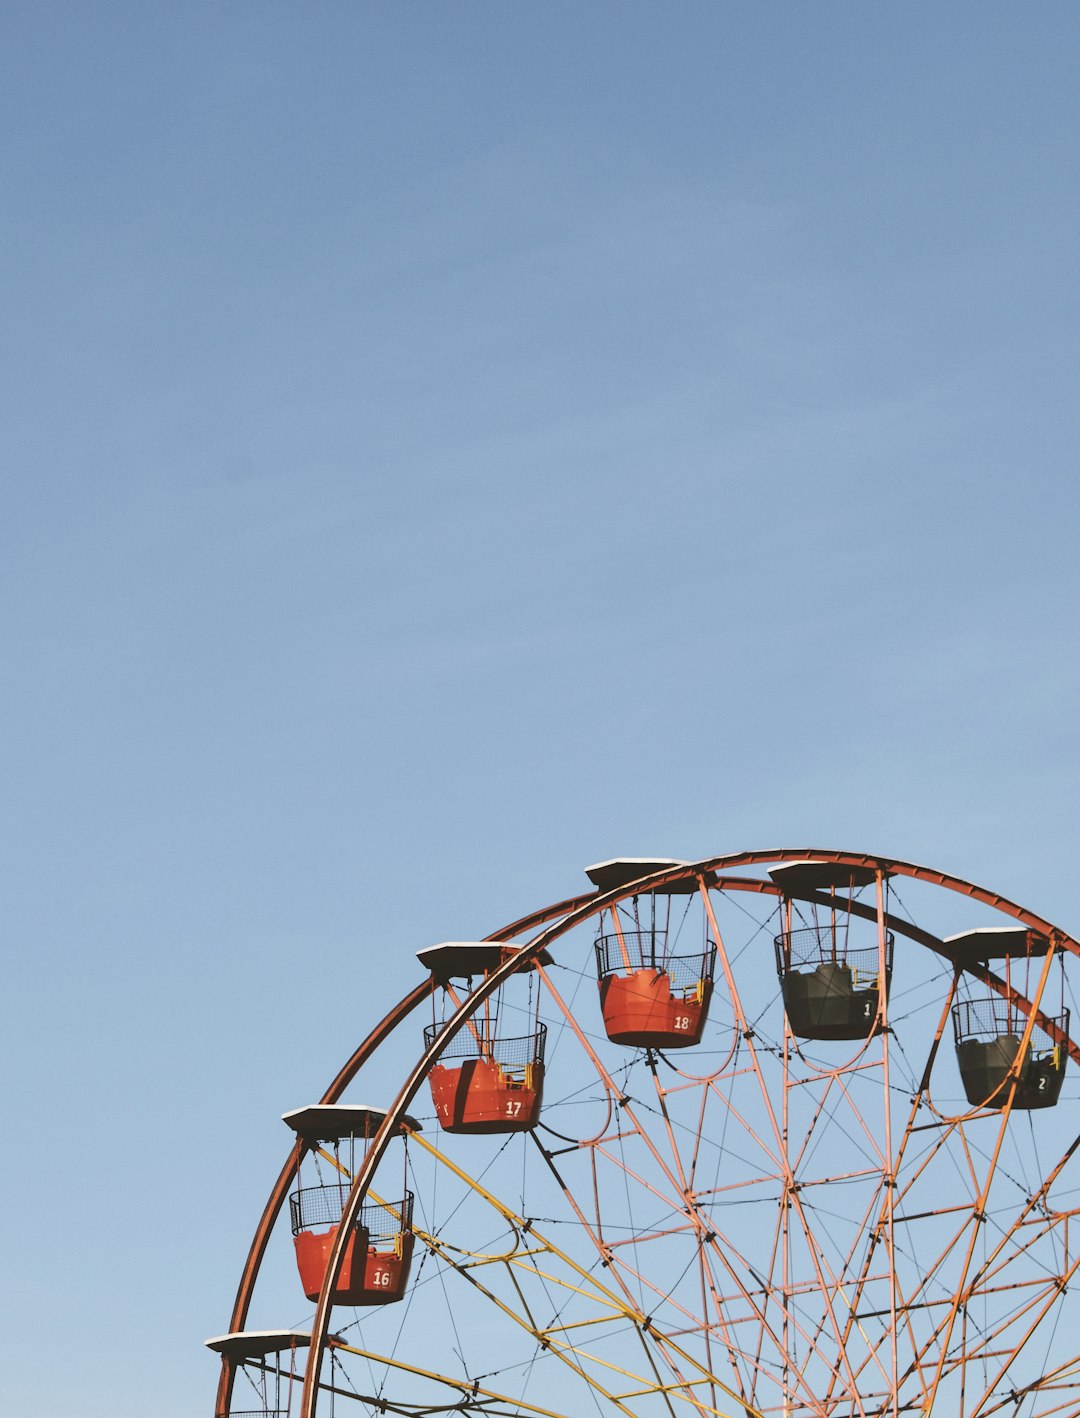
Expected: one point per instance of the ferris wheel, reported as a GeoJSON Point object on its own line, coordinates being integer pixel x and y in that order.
{"type": "Point", "coordinates": [783, 1133]}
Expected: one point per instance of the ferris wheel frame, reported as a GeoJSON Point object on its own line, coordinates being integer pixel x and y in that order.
{"type": "Point", "coordinates": [552, 922]}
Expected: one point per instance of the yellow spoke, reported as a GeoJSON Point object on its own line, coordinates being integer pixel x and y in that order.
{"type": "Point", "coordinates": [460, 1385]}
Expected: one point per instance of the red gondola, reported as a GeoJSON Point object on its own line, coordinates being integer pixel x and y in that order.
{"type": "Point", "coordinates": [485, 1081]}
{"type": "Point", "coordinates": [652, 993]}
{"type": "Point", "coordinates": [375, 1268]}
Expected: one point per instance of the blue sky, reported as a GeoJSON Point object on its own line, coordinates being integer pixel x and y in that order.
{"type": "Point", "coordinates": [450, 444]}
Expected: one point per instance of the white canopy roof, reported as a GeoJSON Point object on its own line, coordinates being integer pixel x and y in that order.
{"type": "Point", "coordinates": [622, 871]}
{"type": "Point", "coordinates": [461, 959]}
{"type": "Point", "coordinates": [996, 943]}
{"type": "Point", "coordinates": [257, 1343]}
{"type": "Point", "coordinates": [329, 1122]}
{"type": "Point", "coordinates": [819, 876]}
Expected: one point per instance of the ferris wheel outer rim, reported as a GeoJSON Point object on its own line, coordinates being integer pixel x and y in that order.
{"type": "Point", "coordinates": [557, 920]}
